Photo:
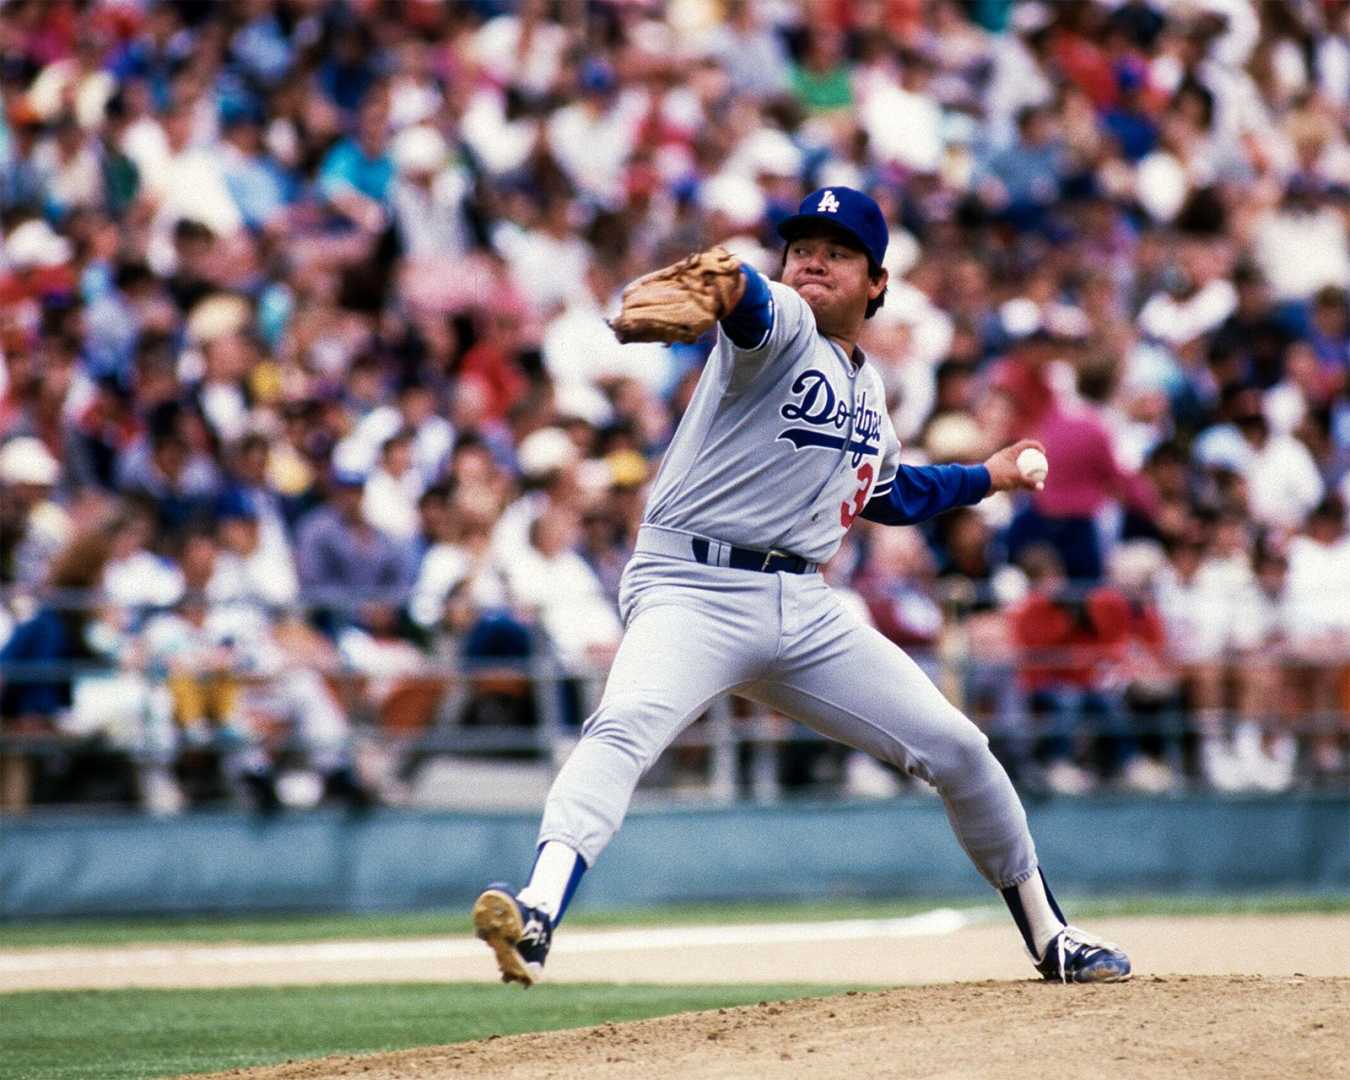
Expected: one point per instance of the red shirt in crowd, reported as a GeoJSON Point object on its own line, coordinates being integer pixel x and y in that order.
{"type": "Point", "coordinates": [1086, 648]}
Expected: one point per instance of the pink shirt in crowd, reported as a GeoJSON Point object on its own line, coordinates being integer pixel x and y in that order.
{"type": "Point", "coordinates": [1084, 473]}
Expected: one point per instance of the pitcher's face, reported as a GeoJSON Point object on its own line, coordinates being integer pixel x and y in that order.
{"type": "Point", "coordinates": [832, 278]}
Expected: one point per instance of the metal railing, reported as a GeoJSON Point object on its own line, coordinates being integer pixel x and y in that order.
{"type": "Point", "coordinates": [459, 711]}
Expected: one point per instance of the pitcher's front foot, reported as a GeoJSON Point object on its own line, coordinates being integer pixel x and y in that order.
{"type": "Point", "coordinates": [1078, 957]}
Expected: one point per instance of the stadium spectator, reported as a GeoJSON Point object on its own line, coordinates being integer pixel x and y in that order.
{"type": "Point", "coordinates": [750, 51]}
{"type": "Point", "coordinates": [236, 683]}
{"type": "Point", "coordinates": [390, 496]}
{"type": "Point", "coordinates": [896, 585]}
{"type": "Point", "coordinates": [55, 671]}
{"type": "Point", "coordinates": [253, 565]}
{"type": "Point", "coordinates": [1264, 743]}
{"type": "Point", "coordinates": [139, 579]}
{"type": "Point", "coordinates": [356, 177]}
{"type": "Point", "coordinates": [344, 561]}
{"type": "Point", "coordinates": [33, 526]}
{"type": "Point", "coordinates": [1319, 627]}
{"type": "Point", "coordinates": [1088, 480]}
{"type": "Point", "coordinates": [165, 468]}
{"type": "Point", "coordinates": [1073, 644]}
{"type": "Point", "coordinates": [429, 199]}
{"type": "Point", "coordinates": [552, 583]}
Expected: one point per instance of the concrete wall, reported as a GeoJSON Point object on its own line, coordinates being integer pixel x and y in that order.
{"type": "Point", "coordinates": [119, 865]}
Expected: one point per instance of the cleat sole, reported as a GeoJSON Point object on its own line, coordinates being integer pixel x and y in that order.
{"type": "Point", "coordinates": [1107, 977]}
{"type": "Point", "coordinates": [496, 920]}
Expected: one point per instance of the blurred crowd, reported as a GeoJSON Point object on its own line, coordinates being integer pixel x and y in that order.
{"type": "Point", "coordinates": [305, 369]}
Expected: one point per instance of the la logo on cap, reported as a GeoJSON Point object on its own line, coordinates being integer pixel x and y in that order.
{"type": "Point", "coordinates": [828, 203]}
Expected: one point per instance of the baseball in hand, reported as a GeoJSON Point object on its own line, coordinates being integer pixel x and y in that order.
{"type": "Point", "coordinates": [1032, 464]}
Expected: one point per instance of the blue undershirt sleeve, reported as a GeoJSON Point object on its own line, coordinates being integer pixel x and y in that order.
{"type": "Point", "coordinates": [920, 492]}
{"type": "Point", "coordinates": [750, 321]}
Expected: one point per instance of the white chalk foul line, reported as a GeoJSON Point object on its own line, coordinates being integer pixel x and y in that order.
{"type": "Point", "coordinates": [928, 924]}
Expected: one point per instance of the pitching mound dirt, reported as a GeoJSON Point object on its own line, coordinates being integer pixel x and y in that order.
{"type": "Point", "coordinates": [1164, 1028]}
{"type": "Point", "coordinates": [871, 955]}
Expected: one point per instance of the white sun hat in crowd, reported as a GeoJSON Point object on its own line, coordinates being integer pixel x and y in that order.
{"type": "Point", "coordinates": [767, 152]}
{"type": "Point", "coordinates": [218, 315]}
{"type": "Point", "coordinates": [544, 451]}
{"type": "Point", "coordinates": [419, 149]}
{"type": "Point", "coordinates": [738, 198]}
{"type": "Point", "coordinates": [34, 243]}
{"type": "Point", "coordinates": [26, 460]}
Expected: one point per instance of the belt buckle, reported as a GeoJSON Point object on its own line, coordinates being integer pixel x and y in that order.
{"type": "Point", "coordinates": [768, 558]}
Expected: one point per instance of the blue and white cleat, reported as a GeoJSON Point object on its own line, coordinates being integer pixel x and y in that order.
{"type": "Point", "coordinates": [1075, 956]}
{"type": "Point", "coordinates": [519, 935]}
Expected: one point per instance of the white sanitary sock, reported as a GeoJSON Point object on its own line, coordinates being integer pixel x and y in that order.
{"type": "Point", "coordinates": [1041, 917]}
{"type": "Point", "coordinates": [554, 870]}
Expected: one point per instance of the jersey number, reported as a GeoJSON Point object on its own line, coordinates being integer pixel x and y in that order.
{"type": "Point", "coordinates": [848, 513]}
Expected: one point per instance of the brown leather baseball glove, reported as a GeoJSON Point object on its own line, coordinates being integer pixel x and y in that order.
{"type": "Point", "coordinates": [682, 301]}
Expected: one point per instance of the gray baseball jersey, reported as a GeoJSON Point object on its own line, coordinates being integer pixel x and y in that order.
{"type": "Point", "coordinates": [782, 445]}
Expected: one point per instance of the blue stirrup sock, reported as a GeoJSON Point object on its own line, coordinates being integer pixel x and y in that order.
{"type": "Point", "coordinates": [1035, 912]}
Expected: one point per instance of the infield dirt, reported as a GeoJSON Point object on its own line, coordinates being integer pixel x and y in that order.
{"type": "Point", "coordinates": [1163, 1028]}
{"type": "Point", "coordinates": [1214, 998]}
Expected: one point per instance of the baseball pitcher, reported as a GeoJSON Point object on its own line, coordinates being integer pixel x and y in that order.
{"type": "Point", "coordinates": [786, 442]}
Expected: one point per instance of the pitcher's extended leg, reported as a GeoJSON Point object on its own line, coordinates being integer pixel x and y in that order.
{"type": "Point", "coordinates": [847, 681]}
{"type": "Point", "coordinates": [673, 662]}
{"type": "Point", "coordinates": [687, 642]}
{"type": "Point", "coordinates": [855, 686]}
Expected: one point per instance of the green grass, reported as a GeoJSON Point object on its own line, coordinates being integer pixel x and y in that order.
{"type": "Point", "coordinates": [132, 1034]}
{"type": "Point", "coordinates": [288, 928]}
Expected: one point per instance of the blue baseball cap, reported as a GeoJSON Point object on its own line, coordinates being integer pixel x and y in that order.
{"type": "Point", "coordinates": [847, 210]}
